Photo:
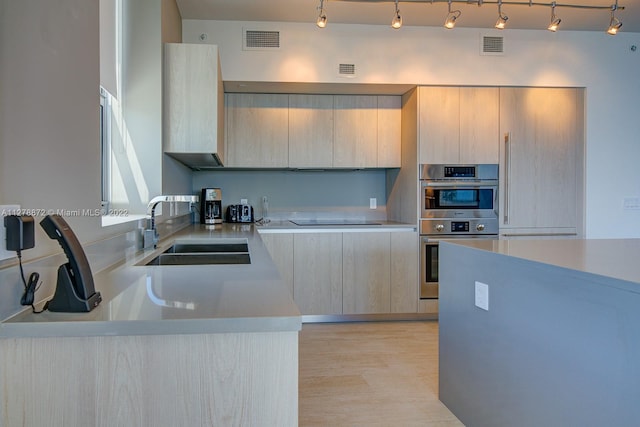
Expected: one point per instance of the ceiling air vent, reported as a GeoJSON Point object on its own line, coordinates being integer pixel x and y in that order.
{"type": "Point", "coordinates": [347, 70]}
{"type": "Point", "coordinates": [492, 45]}
{"type": "Point", "coordinates": [261, 40]}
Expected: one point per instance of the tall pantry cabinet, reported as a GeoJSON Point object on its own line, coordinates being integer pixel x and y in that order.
{"type": "Point", "coordinates": [542, 168]}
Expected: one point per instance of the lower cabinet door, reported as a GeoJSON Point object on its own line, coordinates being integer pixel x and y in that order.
{"type": "Point", "coordinates": [317, 272]}
{"type": "Point", "coordinates": [366, 273]}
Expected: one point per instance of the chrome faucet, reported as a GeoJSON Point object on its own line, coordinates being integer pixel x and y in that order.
{"type": "Point", "coordinates": [151, 236]}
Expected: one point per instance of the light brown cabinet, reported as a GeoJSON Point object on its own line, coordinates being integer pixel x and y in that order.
{"type": "Point", "coordinates": [257, 130]}
{"type": "Point", "coordinates": [348, 273]}
{"type": "Point", "coordinates": [193, 104]}
{"type": "Point", "coordinates": [404, 272]}
{"type": "Point", "coordinates": [355, 131]}
{"type": "Point", "coordinates": [313, 131]}
{"type": "Point", "coordinates": [280, 247]}
{"type": "Point", "coordinates": [317, 274]}
{"type": "Point", "coordinates": [389, 131]}
{"type": "Point", "coordinates": [458, 125]}
{"type": "Point", "coordinates": [366, 273]}
{"type": "Point", "coordinates": [542, 151]}
{"type": "Point", "coordinates": [310, 131]}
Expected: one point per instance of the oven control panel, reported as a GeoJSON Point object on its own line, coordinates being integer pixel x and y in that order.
{"type": "Point", "coordinates": [442, 226]}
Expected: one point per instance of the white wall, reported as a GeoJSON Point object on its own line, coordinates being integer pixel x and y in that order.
{"type": "Point", "coordinates": [49, 113]}
{"type": "Point", "coordinates": [605, 65]}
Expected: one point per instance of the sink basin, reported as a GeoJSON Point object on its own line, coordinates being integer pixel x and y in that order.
{"type": "Point", "coordinates": [201, 258]}
{"type": "Point", "coordinates": [180, 248]}
{"type": "Point", "coordinates": [218, 251]}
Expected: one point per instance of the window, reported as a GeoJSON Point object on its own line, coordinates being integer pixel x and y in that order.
{"type": "Point", "coordinates": [105, 148]}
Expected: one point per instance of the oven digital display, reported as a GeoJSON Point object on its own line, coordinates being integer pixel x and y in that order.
{"type": "Point", "coordinates": [460, 226]}
{"type": "Point", "coordinates": [459, 172]}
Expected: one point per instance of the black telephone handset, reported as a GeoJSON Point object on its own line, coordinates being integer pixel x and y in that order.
{"type": "Point", "coordinates": [75, 291]}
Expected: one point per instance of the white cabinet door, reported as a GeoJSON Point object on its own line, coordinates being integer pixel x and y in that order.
{"type": "Point", "coordinates": [257, 130]}
{"type": "Point", "coordinates": [318, 273]}
{"type": "Point", "coordinates": [439, 124]}
{"type": "Point", "coordinates": [542, 146]}
{"type": "Point", "coordinates": [366, 273]}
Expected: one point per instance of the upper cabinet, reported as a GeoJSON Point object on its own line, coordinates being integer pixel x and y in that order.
{"type": "Point", "coordinates": [356, 131]}
{"type": "Point", "coordinates": [319, 131]}
{"type": "Point", "coordinates": [310, 131]}
{"type": "Point", "coordinates": [257, 130]}
{"type": "Point", "coordinates": [458, 125]}
{"type": "Point", "coordinates": [543, 155]}
{"type": "Point", "coordinates": [193, 105]}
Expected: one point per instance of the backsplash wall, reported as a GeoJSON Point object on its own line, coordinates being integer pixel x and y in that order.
{"type": "Point", "coordinates": [302, 194]}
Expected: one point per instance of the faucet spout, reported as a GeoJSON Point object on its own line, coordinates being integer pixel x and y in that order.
{"type": "Point", "coordinates": [151, 236]}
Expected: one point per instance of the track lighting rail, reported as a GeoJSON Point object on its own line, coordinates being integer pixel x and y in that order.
{"type": "Point", "coordinates": [452, 16]}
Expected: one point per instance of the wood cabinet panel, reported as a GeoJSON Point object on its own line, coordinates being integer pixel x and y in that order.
{"type": "Point", "coordinates": [541, 150]}
{"type": "Point", "coordinates": [479, 125]}
{"type": "Point", "coordinates": [310, 131]}
{"type": "Point", "coordinates": [404, 272]}
{"type": "Point", "coordinates": [439, 124]}
{"type": "Point", "coordinates": [318, 273]}
{"type": "Point", "coordinates": [366, 273]}
{"type": "Point", "coordinates": [280, 247]}
{"type": "Point", "coordinates": [193, 100]}
{"type": "Point", "coordinates": [257, 130]}
{"type": "Point", "coordinates": [389, 131]}
{"type": "Point", "coordinates": [355, 131]}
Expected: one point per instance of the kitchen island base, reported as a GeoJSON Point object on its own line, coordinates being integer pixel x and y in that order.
{"type": "Point", "coordinates": [151, 380]}
{"type": "Point", "coordinates": [559, 344]}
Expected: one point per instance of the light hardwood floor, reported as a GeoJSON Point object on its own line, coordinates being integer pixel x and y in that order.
{"type": "Point", "coordinates": [370, 374]}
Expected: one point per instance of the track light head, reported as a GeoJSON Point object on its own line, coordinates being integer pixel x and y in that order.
{"type": "Point", "coordinates": [554, 24]}
{"type": "Point", "coordinates": [614, 26]}
{"type": "Point", "coordinates": [450, 22]}
{"type": "Point", "coordinates": [614, 23]}
{"type": "Point", "coordinates": [321, 22]}
{"type": "Point", "coordinates": [501, 23]}
{"type": "Point", "coordinates": [396, 22]}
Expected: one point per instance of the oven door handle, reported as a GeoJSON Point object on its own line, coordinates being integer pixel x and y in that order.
{"type": "Point", "coordinates": [454, 184]}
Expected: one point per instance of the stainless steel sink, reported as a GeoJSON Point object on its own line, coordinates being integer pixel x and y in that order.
{"type": "Point", "coordinates": [201, 258]}
{"type": "Point", "coordinates": [180, 248]}
{"type": "Point", "coordinates": [217, 251]}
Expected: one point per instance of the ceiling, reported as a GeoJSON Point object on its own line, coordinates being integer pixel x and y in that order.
{"type": "Point", "coordinates": [417, 13]}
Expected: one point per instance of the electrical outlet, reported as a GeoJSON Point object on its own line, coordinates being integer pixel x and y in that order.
{"type": "Point", "coordinates": [482, 295]}
{"type": "Point", "coordinates": [373, 203]}
{"type": "Point", "coordinates": [6, 210]}
{"type": "Point", "coordinates": [243, 201]}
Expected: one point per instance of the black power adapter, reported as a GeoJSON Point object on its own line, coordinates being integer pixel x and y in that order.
{"type": "Point", "coordinates": [20, 232]}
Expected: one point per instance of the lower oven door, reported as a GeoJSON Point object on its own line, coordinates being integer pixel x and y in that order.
{"type": "Point", "coordinates": [428, 268]}
{"type": "Point", "coordinates": [429, 261]}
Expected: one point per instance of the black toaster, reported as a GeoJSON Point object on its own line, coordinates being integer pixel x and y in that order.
{"type": "Point", "coordinates": [239, 213]}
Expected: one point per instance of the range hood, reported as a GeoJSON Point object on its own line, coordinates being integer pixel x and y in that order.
{"type": "Point", "coordinates": [198, 161]}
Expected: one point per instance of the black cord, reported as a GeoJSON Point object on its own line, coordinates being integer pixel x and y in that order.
{"type": "Point", "coordinates": [29, 288]}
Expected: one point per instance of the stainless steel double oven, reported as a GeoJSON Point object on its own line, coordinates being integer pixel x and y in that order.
{"type": "Point", "coordinates": [457, 201]}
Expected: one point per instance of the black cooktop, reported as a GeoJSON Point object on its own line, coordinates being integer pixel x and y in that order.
{"type": "Point", "coordinates": [323, 222]}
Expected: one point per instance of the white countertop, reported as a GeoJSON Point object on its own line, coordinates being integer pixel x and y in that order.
{"type": "Point", "coordinates": [612, 258]}
{"type": "Point", "coordinates": [192, 299]}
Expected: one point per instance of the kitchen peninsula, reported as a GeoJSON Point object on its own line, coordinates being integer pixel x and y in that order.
{"type": "Point", "coordinates": [558, 339]}
{"type": "Point", "coordinates": [169, 345]}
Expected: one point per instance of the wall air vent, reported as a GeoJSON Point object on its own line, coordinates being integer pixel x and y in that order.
{"type": "Point", "coordinates": [261, 40]}
{"type": "Point", "coordinates": [347, 70]}
{"type": "Point", "coordinates": [491, 45]}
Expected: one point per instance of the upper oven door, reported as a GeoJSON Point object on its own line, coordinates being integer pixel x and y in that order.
{"type": "Point", "coordinates": [459, 200]}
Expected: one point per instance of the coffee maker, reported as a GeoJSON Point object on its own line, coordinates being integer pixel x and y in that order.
{"type": "Point", "coordinates": [211, 206]}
